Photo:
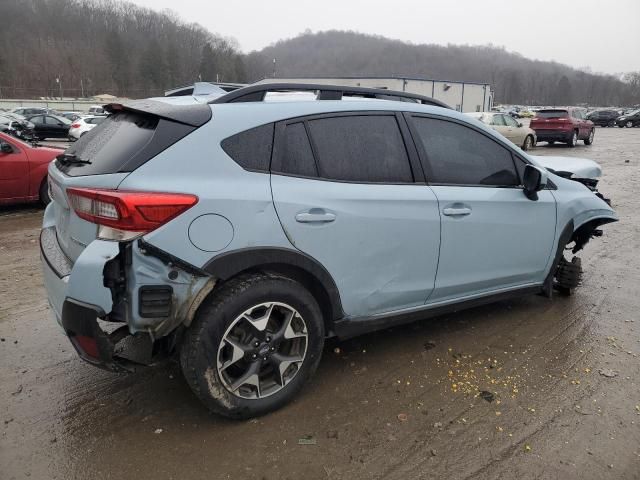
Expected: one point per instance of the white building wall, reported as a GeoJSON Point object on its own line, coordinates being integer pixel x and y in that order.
{"type": "Point", "coordinates": [464, 97]}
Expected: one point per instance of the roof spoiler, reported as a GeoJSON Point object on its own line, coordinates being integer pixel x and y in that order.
{"type": "Point", "coordinates": [193, 115]}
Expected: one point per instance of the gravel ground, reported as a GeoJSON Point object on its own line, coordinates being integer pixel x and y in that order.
{"type": "Point", "coordinates": [561, 383]}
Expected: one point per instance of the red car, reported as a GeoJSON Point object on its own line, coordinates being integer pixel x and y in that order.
{"type": "Point", "coordinates": [566, 125]}
{"type": "Point", "coordinates": [23, 171]}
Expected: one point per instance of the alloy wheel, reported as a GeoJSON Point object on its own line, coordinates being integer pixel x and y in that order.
{"type": "Point", "coordinates": [262, 350]}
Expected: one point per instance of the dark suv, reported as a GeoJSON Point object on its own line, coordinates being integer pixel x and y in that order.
{"type": "Point", "coordinates": [604, 118]}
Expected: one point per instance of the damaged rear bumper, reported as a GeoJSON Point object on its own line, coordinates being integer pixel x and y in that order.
{"type": "Point", "coordinates": [120, 304]}
{"type": "Point", "coordinates": [93, 344]}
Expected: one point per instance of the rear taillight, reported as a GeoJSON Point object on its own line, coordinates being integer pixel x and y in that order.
{"type": "Point", "coordinates": [123, 215]}
{"type": "Point", "coordinates": [75, 125]}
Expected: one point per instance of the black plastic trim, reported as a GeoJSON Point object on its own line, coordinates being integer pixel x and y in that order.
{"type": "Point", "coordinates": [257, 93]}
{"type": "Point", "coordinates": [351, 327]}
{"type": "Point", "coordinates": [227, 265]}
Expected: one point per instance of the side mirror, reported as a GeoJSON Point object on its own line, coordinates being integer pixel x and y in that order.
{"type": "Point", "coordinates": [534, 180]}
{"type": "Point", "coordinates": [520, 125]}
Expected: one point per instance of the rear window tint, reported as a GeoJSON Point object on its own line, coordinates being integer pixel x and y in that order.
{"type": "Point", "coordinates": [251, 149]}
{"type": "Point", "coordinates": [122, 142]}
{"type": "Point", "coordinates": [552, 114]}
{"type": "Point", "coordinates": [361, 148]}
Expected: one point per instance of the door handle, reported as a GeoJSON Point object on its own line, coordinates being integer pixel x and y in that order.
{"type": "Point", "coordinates": [315, 216]}
{"type": "Point", "coordinates": [456, 211]}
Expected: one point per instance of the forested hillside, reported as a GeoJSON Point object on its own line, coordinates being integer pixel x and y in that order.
{"type": "Point", "coordinates": [104, 46]}
{"type": "Point", "coordinates": [515, 79]}
{"type": "Point", "coordinates": [80, 48]}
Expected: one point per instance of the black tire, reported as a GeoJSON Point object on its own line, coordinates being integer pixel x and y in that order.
{"type": "Point", "coordinates": [551, 142]}
{"type": "Point", "coordinates": [528, 143]}
{"type": "Point", "coordinates": [589, 139]}
{"type": "Point", "coordinates": [43, 193]}
{"type": "Point", "coordinates": [568, 275]}
{"type": "Point", "coordinates": [573, 141]}
{"type": "Point", "coordinates": [200, 347]}
{"type": "Point", "coordinates": [612, 123]}
{"type": "Point", "coordinates": [621, 125]}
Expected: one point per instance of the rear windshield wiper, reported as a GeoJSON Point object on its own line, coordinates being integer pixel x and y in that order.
{"type": "Point", "coordinates": [69, 158]}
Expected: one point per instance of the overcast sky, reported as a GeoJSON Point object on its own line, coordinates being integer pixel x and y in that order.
{"type": "Point", "coordinates": [603, 35]}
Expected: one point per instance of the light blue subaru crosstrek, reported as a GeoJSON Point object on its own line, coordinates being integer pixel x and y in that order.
{"type": "Point", "coordinates": [242, 232]}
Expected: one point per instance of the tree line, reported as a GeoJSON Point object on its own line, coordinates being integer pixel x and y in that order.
{"type": "Point", "coordinates": [514, 78]}
{"type": "Point", "coordinates": [79, 48]}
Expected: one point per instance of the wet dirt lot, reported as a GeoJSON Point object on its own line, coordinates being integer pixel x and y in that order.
{"type": "Point", "coordinates": [561, 383]}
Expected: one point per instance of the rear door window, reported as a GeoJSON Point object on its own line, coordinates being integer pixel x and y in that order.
{"type": "Point", "coordinates": [498, 121]}
{"type": "Point", "coordinates": [459, 155]}
{"type": "Point", "coordinates": [360, 148]}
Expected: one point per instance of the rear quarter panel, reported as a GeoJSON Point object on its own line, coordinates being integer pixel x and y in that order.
{"type": "Point", "coordinates": [198, 165]}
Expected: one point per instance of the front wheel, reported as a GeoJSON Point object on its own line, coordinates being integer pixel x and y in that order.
{"type": "Point", "coordinates": [253, 345]}
{"type": "Point", "coordinates": [611, 123]}
{"type": "Point", "coordinates": [573, 141]}
{"type": "Point", "coordinates": [528, 143]}
{"type": "Point", "coordinates": [629, 124]}
{"type": "Point", "coordinates": [589, 139]}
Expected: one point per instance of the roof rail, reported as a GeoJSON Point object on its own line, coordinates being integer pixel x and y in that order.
{"type": "Point", "coordinates": [257, 93]}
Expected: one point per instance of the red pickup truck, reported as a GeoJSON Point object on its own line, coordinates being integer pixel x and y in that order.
{"type": "Point", "coordinates": [23, 171]}
{"type": "Point", "coordinates": [566, 125]}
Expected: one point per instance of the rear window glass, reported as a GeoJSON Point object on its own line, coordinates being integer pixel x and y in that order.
{"type": "Point", "coordinates": [121, 143]}
{"type": "Point", "coordinates": [552, 113]}
{"type": "Point", "coordinates": [361, 148]}
{"type": "Point", "coordinates": [251, 149]}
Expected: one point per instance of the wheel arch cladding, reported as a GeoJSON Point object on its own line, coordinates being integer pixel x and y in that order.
{"type": "Point", "coordinates": [290, 263]}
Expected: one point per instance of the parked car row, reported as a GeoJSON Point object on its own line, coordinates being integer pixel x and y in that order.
{"type": "Point", "coordinates": [615, 118]}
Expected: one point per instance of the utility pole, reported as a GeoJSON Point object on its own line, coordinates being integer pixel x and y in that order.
{"type": "Point", "coordinates": [81, 88]}
{"type": "Point", "coordinates": [59, 82]}
{"type": "Point", "coordinates": [274, 68]}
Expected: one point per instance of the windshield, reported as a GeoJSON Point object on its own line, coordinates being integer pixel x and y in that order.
{"type": "Point", "coordinates": [552, 114]}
